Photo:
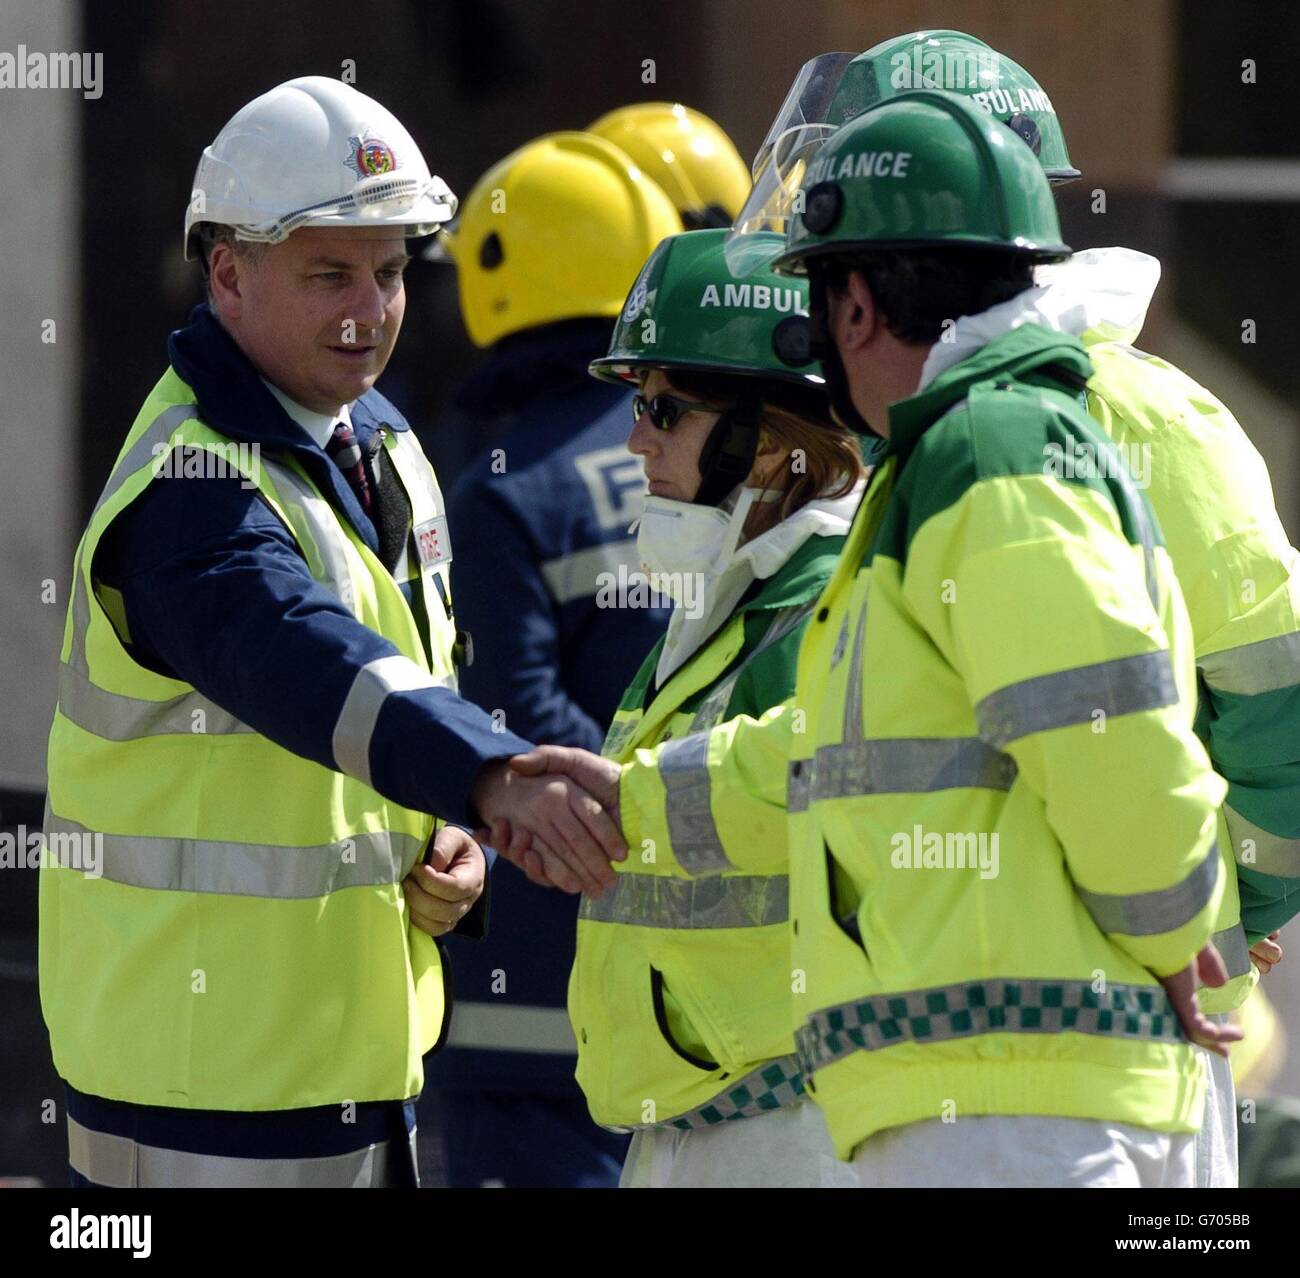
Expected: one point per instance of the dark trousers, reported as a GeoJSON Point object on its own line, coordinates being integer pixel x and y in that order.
{"type": "Point", "coordinates": [523, 1140]}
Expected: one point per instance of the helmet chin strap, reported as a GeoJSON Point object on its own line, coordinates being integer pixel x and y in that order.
{"type": "Point", "coordinates": [822, 347]}
{"type": "Point", "coordinates": [728, 453]}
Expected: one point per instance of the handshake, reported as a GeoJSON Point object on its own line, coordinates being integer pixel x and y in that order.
{"type": "Point", "coordinates": [554, 813]}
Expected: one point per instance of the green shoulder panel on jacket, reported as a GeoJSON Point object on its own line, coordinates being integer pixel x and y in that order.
{"type": "Point", "coordinates": [769, 676]}
{"type": "Point", "coordinates": [634, 694]}
{"type": "Point", "coordinates": [1006, 429]}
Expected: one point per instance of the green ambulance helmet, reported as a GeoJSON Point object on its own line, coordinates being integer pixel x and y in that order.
{"type": "Point", "coordinates": [924, 169]}
{"type": "Point", "coordinates": [834, 88]}
{"type": "Point", "coordinates": [689, 311]}
{"type": "Point", "coordinates": [957, 63]}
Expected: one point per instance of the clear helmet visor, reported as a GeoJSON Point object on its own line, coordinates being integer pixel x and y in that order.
{"type": "Point", "coordinates": [798, 132]}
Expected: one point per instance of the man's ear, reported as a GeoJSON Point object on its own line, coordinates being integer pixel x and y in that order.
{"type": "Point", "coordinates": [223, 278]}
{"type": "Point", "coordinates": [855, 319]}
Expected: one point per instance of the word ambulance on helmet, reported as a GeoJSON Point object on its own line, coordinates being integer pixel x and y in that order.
{"type": "Point", "coordinates": [834, 88]}
{"type": "Point", "coordinates": [687, 312]}
{"type": "Point", "coordinates": [955, 178]}
{"type": "Point", "coordinates": [924, 169]}
{"type": "Point", "coordinates": [554, 231]}
{"type": "Point", "coordinates": [314, 152]}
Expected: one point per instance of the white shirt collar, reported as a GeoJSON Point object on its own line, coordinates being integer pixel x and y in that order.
{"type": "Point", "coordinates": [319, 426]}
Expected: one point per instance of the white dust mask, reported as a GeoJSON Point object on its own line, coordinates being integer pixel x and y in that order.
{"type": "Point", "coordinates": [681, 537]}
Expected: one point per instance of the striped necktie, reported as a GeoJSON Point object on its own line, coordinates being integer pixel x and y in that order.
{"type": "Point", "coordinates": [345, 452]}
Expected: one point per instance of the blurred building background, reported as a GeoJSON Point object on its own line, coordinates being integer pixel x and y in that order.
{"type": "Point", "coordinates": [1179, 113]}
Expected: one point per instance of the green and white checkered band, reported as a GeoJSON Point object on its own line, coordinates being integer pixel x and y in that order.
{"type": "Point", "coordinates": [985, 1007]}
{"type": "Point", "coordinates": [773, 1086]}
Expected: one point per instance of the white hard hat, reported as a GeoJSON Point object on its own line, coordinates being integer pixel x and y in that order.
{"type": "Point", "coordinates": [315, 151]}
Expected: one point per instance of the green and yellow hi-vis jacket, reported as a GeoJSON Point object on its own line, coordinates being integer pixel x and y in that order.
{"type": "Point", "coordinates": [1001, 822]}
{"type": "Point", "coordinates": [1240, 578]}
{"type": "Point", "coordinates": [680, 993]}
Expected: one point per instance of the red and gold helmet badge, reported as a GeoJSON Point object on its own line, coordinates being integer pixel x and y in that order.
{"type": "Point", "coordinates": [370, 156]}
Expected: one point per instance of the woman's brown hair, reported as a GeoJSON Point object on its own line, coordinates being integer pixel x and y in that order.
{"type": "Point", "coordinates": [825, 459]}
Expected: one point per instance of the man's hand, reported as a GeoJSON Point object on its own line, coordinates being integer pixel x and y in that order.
{"type": "Point", "coordinates": [1265, 953]}
{"type": "Point", "coordinates": [1181, 988]}
{"type": "Point", "coordinates": [572, 837]}
{"type": "Point", "coordinates": [595, 774]}
{"type": "Point", "coordinates": [441, 892]}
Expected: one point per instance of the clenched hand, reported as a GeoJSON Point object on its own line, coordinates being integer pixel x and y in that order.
{"type": "Point", "coordinates": [442, 891]}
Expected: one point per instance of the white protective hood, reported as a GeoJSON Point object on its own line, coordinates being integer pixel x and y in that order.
{"type": "Point", "coordinates": [1104, 292]}
{"type": "Point", "coordinates": [763, 557]}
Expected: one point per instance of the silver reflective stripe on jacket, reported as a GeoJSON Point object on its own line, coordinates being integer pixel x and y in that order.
{"type": "Point", "coordinates": [1233, 949]}
{"type": "Point", "coordinates": [1150, 913]}
{"type": "Point", "coordinates": [898, 765]}
{"type": "Point", "coordinates": [858, 766]}
{"type": "Point", "coordinates": [121, 718]}
{"type": "Point", "coordinates": [159, 431]}
{"type": "Point", "coordinates": [119, 1162]}
{"type": "Point", "coordinates": [725, 901]}
{"type": "Point", "coordinates": [1257, 849]}
{"type": "Point", "coordinates": [1253, 668]}
{"type": "Point", "coordinates": [315, 524]}
{"type": "Point", "coordinates": [1125, 685]}
{"type": "Point", "coordinates": [374, 683]}
{"type": "Point", "coordinates": [272, 871]}
{"type": "Point", "coordinates": [683, 764]}
{"type": "Point", "coordinates": [110, 715]}
{"type": "Point", "coordinates": [619, 734]}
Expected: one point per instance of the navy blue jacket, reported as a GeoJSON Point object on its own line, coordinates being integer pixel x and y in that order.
{"type": "Point", "coordinates": [535, 520]}
{"type": "Point", "coordinates": [216, 593]}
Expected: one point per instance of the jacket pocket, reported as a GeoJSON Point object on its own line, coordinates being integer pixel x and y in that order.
{"type": "Point", "coordinates": [845, 919]}
{"type": "Point", "coordinates": [661, 1020]}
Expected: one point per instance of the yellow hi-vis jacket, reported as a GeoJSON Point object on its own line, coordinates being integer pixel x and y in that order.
{"type": "Point", "coordinates": [680, 993]}
{"type": "Point", "coordinates": [1001, 824]}
{"type": "Point", "coordinates": [1240, 578]}
{"type": "Point", "coordinates": [1212, 497]}
{"type": "Point", "coordinates": [247, 946]}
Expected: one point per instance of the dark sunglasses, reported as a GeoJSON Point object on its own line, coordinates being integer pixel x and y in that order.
{"type": "Point", "coordinates": [667, 410]}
